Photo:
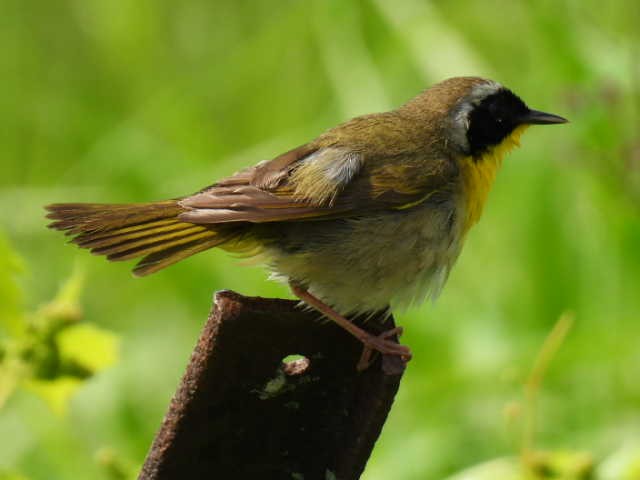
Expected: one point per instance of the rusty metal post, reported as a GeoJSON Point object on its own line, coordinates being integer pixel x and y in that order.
{"type": "Point", "coordinates": [241, 413]}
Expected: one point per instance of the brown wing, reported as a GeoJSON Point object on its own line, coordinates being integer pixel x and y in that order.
{"type": "Point", "coordinates": [319, 183]}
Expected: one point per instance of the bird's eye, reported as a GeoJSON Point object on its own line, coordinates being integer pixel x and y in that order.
{"type": "Point", "coordinates": [499, 120]}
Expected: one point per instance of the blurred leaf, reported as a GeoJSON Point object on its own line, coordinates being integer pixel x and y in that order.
{"type": "Point", "coordinates": [64, 309]}
{"type": "Point", "coordinates": [89, 346]}
{"type": "Point", "coordinates": [621, 465]}
{"type": "Point", "coordinates": [55, 353]}
{"type": "Point", "coordinates": [56, 393]}
{"type": "Point", "coordinates": [547, 466]}
{"type": "Point", "coordinates": [560, 465]}
{"type": "Point", "coordinates": [10, 295]}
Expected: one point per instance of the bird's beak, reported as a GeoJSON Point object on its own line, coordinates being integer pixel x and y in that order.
{"type": "Point", "coordinates": [535, 117]}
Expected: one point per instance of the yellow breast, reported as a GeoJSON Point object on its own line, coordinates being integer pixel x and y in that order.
{"type": "Point", "coordinates": [478, 174]}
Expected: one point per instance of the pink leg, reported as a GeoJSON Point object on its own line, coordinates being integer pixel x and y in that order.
{"type": "Point", "coordinates": [371, 342]}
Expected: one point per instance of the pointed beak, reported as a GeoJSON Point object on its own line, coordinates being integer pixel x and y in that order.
{"type": "Point", "coordinates": [535, 117]}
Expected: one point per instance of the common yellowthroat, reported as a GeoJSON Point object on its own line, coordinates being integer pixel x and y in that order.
{"type": "Point", "coordinates": [372, 213]}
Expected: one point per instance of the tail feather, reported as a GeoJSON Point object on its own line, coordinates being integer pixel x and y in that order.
{"type": "Point", "coordinates": [128, 233]}
{"type": "Point", "coordinates": [163, 243]}
{"type": "Point", "coordinates": [159, 260]}
{"type": "Point", "coordinates": [148, 230]}
{"type": "Point", "coordinates": [124, 243]}
{"type": "Point", "coordinates": [140, 229]}
{"type": "Point", "coordinates": [95, 217]}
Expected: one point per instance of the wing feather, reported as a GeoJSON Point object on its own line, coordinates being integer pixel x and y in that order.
{"type": "Point", "coordinates": [319, 183]}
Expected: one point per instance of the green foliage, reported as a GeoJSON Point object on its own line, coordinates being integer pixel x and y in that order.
{"type": "Point", "coordinates": [115, 466]}
{"type": "Point", "coordinates": [623, 464]}
{"type": "Point", "coordinates": [129, 100]}
{"type": "Point", "coordinates": [11, 320]}
{"type": "Point", "coordinates": [50, 352]}
{"type": "Point", "coordinates": [558, 465]}
{"type": "Point", "coordinates": [11, 476]}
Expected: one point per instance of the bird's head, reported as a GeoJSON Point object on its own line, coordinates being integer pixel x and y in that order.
{"type": "Point", "coordinates": [478, 114]}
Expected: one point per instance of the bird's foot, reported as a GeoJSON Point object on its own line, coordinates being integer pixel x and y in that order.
{"type": "Point", "coordinates": [382, 344]}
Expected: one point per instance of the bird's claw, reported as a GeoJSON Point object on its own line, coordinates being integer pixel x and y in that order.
{"type": "Point", "coordinates": [382, 344]}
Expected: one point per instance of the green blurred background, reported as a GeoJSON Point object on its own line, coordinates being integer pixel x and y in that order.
{"type": "Point", "coordinates": [135, 100]}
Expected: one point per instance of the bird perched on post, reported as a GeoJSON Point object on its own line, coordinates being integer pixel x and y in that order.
{"type": "Point", "coordinates": [371, 214]}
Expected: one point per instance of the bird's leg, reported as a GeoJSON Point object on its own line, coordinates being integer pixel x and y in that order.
{"type": "Point", "coordinates": [379, 343]}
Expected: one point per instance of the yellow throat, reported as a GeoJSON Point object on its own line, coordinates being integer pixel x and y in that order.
{"type": "Point", "coordinates": [478, 174]}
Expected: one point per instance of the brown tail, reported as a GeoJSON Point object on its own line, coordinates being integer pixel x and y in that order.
{"type": "Point", "coordinates": [122, 232]}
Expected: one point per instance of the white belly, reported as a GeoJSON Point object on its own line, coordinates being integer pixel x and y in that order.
{"type": "Point", "coordinates": [370, 263]}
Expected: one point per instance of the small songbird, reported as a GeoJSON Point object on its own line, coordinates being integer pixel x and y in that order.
{"type": "Point", "coordinates": [370, 215]}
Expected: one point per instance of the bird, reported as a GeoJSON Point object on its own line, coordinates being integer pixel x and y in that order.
{"type": "Point", "coordinates": [368, 217]}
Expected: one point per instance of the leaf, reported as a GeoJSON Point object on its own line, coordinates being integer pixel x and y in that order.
{"type": "Point", "coordinates": [556, 465]}
{"type": "Point", "coordinates": [64, 309]}
{"type": "Point", "coordinates": [56, 393]}
{"type": "Point", "coordinates": [49, 353]}
{"type": "Point", "coordinates": [89, 346]}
